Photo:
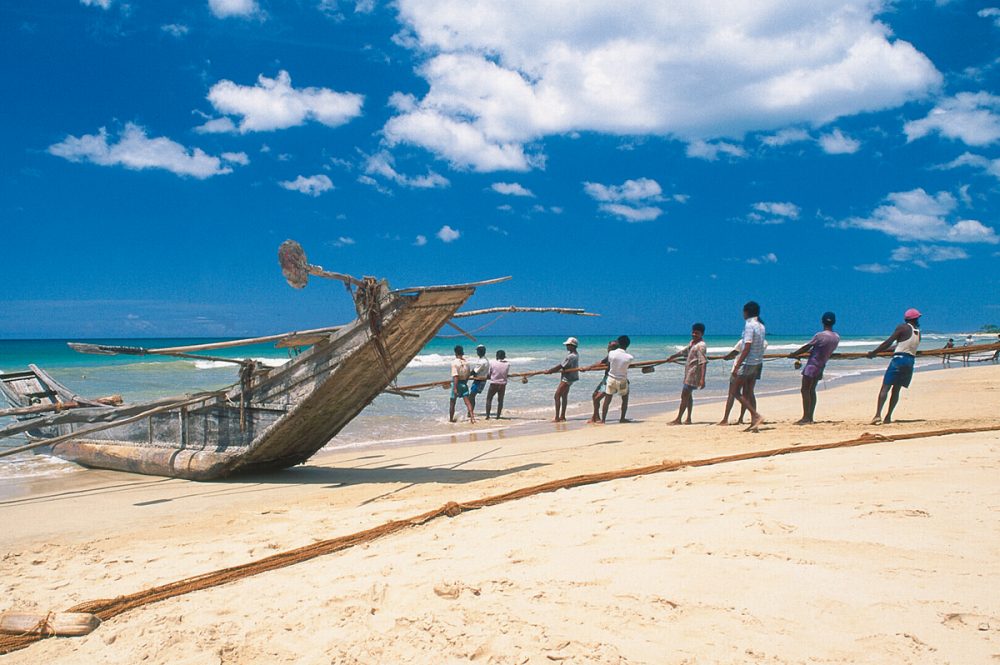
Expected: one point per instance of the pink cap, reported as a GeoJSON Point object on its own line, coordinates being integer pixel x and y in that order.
{"type": "Point", "coordinates": [912, 313]}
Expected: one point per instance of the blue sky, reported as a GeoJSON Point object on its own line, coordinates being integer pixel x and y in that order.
{"type": "Point", "coordinates": [659, 163]}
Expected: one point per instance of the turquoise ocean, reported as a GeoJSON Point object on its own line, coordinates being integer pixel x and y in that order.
{"type": "Point", "coordinates": [394, 420]}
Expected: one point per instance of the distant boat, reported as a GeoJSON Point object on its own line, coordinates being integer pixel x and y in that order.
{"type": "Point", "coordinates": [272, 418]}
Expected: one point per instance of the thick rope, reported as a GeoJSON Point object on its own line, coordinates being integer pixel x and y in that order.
{"type": "Point", "coordinates": [108, 608]}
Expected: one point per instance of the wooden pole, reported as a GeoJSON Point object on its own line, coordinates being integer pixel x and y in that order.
{"type": "Point", "coordinates": [90, 348]}
{"type": "Point", "coordinates": [514, 308]}
{"type": "Point", "coordinates": [61, 624]}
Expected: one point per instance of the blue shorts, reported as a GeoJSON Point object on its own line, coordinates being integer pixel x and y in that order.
{"type": "Point", "coordinates": [688, 386]}
{"type": "Point", "coordinates": [462, 391]}
{"type": "Point", "coordinates": [900, 371]}
{"type": "Point", "coordinates": [477, 387]}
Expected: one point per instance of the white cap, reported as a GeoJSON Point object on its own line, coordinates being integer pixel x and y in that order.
{"type": "Point", "coordinates": [571, 340]}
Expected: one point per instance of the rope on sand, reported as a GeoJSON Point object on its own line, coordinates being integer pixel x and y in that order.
{"type": "Point", "coordinates": [105, 609]}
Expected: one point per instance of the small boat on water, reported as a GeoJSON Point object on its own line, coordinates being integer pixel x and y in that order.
{"type": "Point", "coordinates": [271, 418]}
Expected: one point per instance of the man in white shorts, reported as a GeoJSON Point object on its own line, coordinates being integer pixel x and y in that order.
{"type": "Point", "coordinates": [618, 362]}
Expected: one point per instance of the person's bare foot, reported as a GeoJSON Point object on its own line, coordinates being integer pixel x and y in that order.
{"type": "Point", "coordinates": [804, 421]}
{"type": "Point", "coordinates": [755, 424]}
{"type": "Point", "coordinates": [722, 423]}
{"type": "Point", "coordinates": [687, 422]}
{"type": "Point", "coordinates": [887, 421]}
{"type": "Point", "coordinates": [676, 421]}
{"type": "Point", "coordinates": [877, 420]}
{"type": "Point", "coordinates": [624, 420]}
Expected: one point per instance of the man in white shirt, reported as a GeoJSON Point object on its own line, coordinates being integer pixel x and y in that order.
{"type": "Point", "coordinates": [617, 384]}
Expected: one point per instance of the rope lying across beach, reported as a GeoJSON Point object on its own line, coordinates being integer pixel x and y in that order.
{"type": "Point", "coordinates": [107, 608]}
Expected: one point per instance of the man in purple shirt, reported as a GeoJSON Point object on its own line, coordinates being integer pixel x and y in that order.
{"type": "Point", "coordinates": [819, 348]}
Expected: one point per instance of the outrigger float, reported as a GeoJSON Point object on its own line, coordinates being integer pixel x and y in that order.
{"type": "Point", "coordinates": [271, 418]}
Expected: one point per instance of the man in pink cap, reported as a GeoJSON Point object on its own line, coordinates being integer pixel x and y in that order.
{"type": "Point", "coordinates": [906, 337]}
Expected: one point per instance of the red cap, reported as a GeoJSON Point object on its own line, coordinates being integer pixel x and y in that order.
{"type": "Point", "coordinates": [912, 313]}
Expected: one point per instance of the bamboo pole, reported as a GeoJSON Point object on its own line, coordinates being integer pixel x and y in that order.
{"type": "Point", "coordinates": [39, 408]}
{"type": "Point", "coordinates": [87, 348]}
{"type": "Point", "coordinates": [513, 308]}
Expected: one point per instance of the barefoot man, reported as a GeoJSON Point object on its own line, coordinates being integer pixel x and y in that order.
{"type": "Point", "coordinates": [568, 368]}
{"type": "Point", "coordinates": [748, 365]}
{"type": "Point", "coordinates": [906, 337]}
{"type": "Point", "coordinates": [819, 348]}
{"type": "Point", "coordinates": [617, 384]}
{"type": "Point", "coordinates": [499, 371]}
{"type": "Point", "coordinates": [598, 393]}
{"type": "Point", "coordinates": [460, 384]}
{"type": "Point", "coordinates": [694, 371]}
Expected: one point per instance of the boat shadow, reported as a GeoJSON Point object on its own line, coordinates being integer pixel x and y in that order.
{"type": "Point", "coordinates": [391, 474]}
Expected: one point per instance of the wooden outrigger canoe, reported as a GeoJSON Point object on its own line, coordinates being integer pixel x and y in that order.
{"type": "Point", "coordinates": [272, 418]}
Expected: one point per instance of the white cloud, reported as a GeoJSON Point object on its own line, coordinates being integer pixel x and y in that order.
{"type": "Point", "coordinates": [786, 136]}
{"type": "Point", "coordinates": [496, 229]}
{"type": "Point", "coordinates": [461, 143]}
{"type": "Point", "coordinates": [990, 13]}
{"type": "Point", "coordinates": [343, 241]}
{"type": "Point", "coordinates": [770, 257]}
{"type": "Point", "coordinates": [711, 151]}
{"type": "Point", "coordinates": [240, 158]}
{"type": "Point", "coordinates": [631, 190]}
{"type": "Point", "coordinates": [511, 189]}
{"type": "Point", "coordinates": [921, 255]}
{"type": "Point", "coordinates": [838, 143]}
{"type": "Point", "coordinates": [175, 29]}
{"type": "Point", "coordinates": [383, 164]}
{"type": "Point", "coordinates": [227, 8]}
{"type": "Point", "coordinates": [779, 209]}
{"type": "Point", "coordinates": [275, 104]}
{"type": "Point", "coordinates": [503, 74]}
{"type": "Point", "coordinates": [916, 215]}
{"type": "Point", "coordinates": [874, 268]}
{"type": "Point", "coordinates": [626, 200]}
{"type": "Point", "coordinates": [135, 150]}
{"type": "Point", "coordinates": [630, 213]}
{"type": "Point", "coordinates": [448, 234]}
{"type": "Point", "coordinates": [103, 4]}
{"type": "Point", "coordinates": [314, 185]}
{"type": "Point", "coordinates": [990, 166]}
{"type": "Point", "coordinates": [969, 117]}
{"type": "Point", "coordinates": [420, 241]}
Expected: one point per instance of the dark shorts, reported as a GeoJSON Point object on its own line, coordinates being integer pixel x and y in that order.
{"type": "Point", "coordinates": [462, 391]}
{"type": "Point", "coordinates": [477, 387]}
{"type": "Point", "coordinates": [688, 386]}
{"type": "Point", "coordinates": [900, 371]}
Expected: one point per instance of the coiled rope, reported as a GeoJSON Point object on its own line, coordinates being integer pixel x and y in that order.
{"type": "Point", "coordinates": [108, 608]}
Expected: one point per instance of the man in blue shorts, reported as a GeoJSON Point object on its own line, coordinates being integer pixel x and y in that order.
{"type": "Point", "coordinates": [460, 384]}
{"type": "Point", "coordinates": [906, 337]}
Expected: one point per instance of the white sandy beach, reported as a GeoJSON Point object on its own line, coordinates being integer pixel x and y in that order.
{"type": "Point", "coordinates": [876, 554]}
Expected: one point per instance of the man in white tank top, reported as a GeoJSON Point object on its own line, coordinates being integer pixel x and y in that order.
{"type": "Point", "coordinates": [906, 337]}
